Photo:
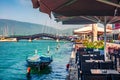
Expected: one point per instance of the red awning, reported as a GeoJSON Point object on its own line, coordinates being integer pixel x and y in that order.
{"type": "Point", "coordinates": [79, 7]}
{"type": "Point", "coordinates": [81, 11]}
{"type": "Point", "coordinates": [47, 6]}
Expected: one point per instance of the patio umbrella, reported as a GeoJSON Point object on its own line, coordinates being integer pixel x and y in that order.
{"type": "Point", "coordinates": [91, 29]}
{"type": "Point", "coordinates": [73, 20]}
{"type": "Point", "coordinates": [47, 6]}
{"type": "Point", "coordinates": [88, 29]}
{"type": "Point", "coordinates": [103, 11]}
{"type": "Point", "coordinates": [79, 7]}
{"type": "Point", "coordinates": [88, 19]}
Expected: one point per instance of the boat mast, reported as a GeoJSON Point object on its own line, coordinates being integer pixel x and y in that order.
{"type": "Point", "coordinates": [48, 50]}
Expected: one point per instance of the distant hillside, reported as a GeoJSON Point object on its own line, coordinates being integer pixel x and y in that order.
{"type": "Point", "coordinates": [68, 31]}
{"type": "Point", "coordinates": [23, 28]}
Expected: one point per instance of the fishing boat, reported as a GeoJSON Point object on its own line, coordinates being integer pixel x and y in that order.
{"type": "Point", "coordinates": [39, 61]}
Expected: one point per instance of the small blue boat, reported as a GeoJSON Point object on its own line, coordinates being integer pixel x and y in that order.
{"type": "Point", "coordinates": [39, 61]}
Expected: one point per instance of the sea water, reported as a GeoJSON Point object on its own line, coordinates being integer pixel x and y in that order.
{"type": "Point", "coordinates": [13, 59]}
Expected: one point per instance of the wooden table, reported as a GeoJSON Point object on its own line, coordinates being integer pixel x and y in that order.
{"type": "Point", "coordinates": [91, 55]}
{"type": "Point", "coordinates": [104, 71]}
{"type": "Point", "coordinates": [94, 60]}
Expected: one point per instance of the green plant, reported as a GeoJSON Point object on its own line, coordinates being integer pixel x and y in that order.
{"type": "Point", "coordinates": [95, 44]}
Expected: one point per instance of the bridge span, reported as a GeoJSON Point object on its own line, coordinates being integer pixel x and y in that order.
{"type": "Point", "coordinates": [32, 37]}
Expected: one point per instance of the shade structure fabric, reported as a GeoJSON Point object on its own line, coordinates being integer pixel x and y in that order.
{"type": "Point", "coordinates": [88, 12]}
{"type": "Point", "coordinates": [73, 20]}
{"type": "Point", "coordinates": [47, 6]}
{"type": "Point", "coordinates": [79, 7]}
{"type": "Point", "coordinates": [116, 31]}
{"type": "Point", "coordinates": [88, 29]}
{"type": "Point", "coordinates": [87, 19]}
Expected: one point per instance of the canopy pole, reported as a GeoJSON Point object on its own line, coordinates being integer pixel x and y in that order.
{"type": "Point", "coordinates": [105, 54]}
{"type": "Point", "coordinates": [94, 32]}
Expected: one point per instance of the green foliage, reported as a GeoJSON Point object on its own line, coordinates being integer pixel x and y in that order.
{"type": "Point", "coordinates": [95, 44]}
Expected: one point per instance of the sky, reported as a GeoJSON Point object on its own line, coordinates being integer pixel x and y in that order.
{"type": "Point", "coordinates": [22, 10]}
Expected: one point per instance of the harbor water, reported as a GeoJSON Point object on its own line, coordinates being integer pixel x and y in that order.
{"type": "Point", "coordinates": [13, 59]}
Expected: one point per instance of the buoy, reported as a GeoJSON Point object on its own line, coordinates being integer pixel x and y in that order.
{"type": "Point", "coordinates": [28, 72]}
{"type": "Point", "coordinates": [67, 66]}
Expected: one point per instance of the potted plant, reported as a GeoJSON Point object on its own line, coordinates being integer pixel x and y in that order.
{"type": "Point", "coordinates": [96, 45]}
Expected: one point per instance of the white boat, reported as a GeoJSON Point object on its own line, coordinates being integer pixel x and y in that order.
{"type": "Point", "coordinates": [30, 40]}
{"type": "Point", "coordinates": [8, 39]}
{"type": "Point", "coordinates": [39, 60]}
{"type": "Point", "coordinates": [4, 38]}
{"type": "Point", "coordinates": [57, 40]}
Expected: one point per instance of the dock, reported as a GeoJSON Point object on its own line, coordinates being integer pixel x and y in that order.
{"type": "Point", "coordinates": [73, 69]}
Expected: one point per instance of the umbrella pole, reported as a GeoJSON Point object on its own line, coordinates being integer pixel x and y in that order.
{"type": "Point", "coordinates": [105, 54]}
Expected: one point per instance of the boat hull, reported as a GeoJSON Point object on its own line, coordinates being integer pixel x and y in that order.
{"type": "Point", "coordinates": [8, 40]}
{"type": "Point", "coordinates": [42, 63]}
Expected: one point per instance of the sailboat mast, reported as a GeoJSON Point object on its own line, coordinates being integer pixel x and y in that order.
{"type": "Point", "coordinates": [48, 50]}
{"type": "Point", "coordinates": [5, 31]}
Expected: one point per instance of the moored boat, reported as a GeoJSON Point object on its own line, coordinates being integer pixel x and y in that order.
{"type": "Point", "coordinates": [8, 40]}
{"type": "Point", "coordinates": [39, 61]}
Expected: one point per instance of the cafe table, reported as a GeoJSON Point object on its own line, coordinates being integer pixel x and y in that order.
{"type": "Point", "coordinates": [104, 71]}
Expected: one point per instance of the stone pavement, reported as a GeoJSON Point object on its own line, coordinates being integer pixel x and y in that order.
{"type": "Point", "coordinates": [73, 70]}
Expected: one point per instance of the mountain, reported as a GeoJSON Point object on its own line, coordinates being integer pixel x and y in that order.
{"type": "Point", "coordinates": [68, 31]}
{"type": "Point", "coordinates": [24, 28]}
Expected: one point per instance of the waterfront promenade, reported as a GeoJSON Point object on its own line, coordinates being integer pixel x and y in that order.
{"type": "Point", "coordinates": [73, 70]}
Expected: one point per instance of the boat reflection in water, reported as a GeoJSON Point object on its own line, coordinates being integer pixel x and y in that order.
{"type": "Point", "coordinates": [46, 70]}
{"type": "Point", "coordinates": [34, 71]}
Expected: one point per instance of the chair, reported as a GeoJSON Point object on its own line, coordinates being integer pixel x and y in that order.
{"type": "Point", "coordinates": [98, 57]}
{"type": "Point", "coordinates": [94, 77]}
{"type": "Point", "coordinates": [106, 65]}
{"type": "Point", "coordinates": [115, 76]}
{"type": "Point", "coordinates": [89, 51]}
{"type": "Point", "coordinates": [81, 49]}
{"type": "Point", "coordinates": [97, 52]}
{"type": "Point", "coordinates": [83, 58]}
{"type": "Point", "coordinates": [87, 66]}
